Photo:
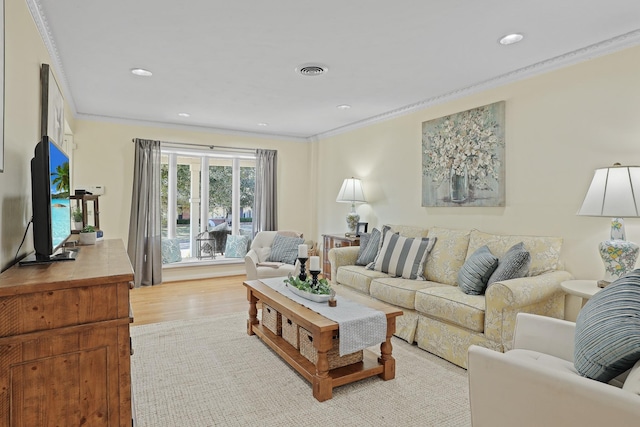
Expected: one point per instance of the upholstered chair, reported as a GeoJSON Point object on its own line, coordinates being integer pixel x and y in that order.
{"type": "Point", "coordinates": [259, 262]}
{"type": "Point", "coordinates": [537, 384]}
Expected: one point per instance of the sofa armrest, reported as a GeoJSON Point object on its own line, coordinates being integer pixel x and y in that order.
{"type": "Point", "coordinates": [540, 294]}
{"type": "Point", "coordinates": [347, 255]}
{"type": "Point", "coordinates": [508, 391]}
{"type": "Point", "coordinates": [251, 264]}
{"type": "Point", "coordinates": [545, 335]}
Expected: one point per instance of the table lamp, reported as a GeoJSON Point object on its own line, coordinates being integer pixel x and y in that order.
{"type": "Point", "coordinates": [351, 192]}
{"type": "Point", "coordinates": [615, 192]}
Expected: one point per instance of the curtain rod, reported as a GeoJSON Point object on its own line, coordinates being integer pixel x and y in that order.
{"type": "Point", "coordinates": [211, 147]}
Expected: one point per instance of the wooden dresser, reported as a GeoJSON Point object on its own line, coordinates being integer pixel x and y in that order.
{"type": "Point", "coordinates": [64, 341]}
{"type": "Point", "coordinates": [334, 241]}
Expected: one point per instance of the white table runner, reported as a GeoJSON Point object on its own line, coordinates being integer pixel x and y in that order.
{"type": "Point", "coordinates": [360, 326]}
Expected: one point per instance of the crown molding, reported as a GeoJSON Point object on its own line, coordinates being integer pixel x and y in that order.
{"type": "Point", "coordinates": [586, 53]}
{"type": "Point", "coordinates": [40, 20]}
{"type": "Point", "coordinates": [193, 128]}
{"type": "Point", "coordinates": [602, 48]}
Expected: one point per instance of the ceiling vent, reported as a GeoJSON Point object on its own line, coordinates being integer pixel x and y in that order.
{"type": "Point", "coordinates": [312, 70]}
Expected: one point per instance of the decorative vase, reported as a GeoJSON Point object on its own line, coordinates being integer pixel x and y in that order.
{"type": "Point", "coordinates": [459, 185]}
{"type": "Point", "coordinates": [309, 295]}
{"type": "Point", "coordinates": [88, 238]}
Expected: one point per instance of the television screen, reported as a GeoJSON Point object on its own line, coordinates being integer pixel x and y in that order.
{"type": "Point", "coordinates": [60, 209]}
{"type": "Point", "coordinates": [50, 203]}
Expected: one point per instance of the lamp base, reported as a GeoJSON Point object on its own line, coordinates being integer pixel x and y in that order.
{"type": "Point", "coordinates": [352, 221]}
{"type": "Point", "coordinates": [619, 258]}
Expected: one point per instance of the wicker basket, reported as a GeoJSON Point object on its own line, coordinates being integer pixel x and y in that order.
{"type": "Point", "coordinates": [335, 361]}
{"type": "Point", "coordinates": [271, 319]}
{"type": "Point", "coordinates": [290, 331]}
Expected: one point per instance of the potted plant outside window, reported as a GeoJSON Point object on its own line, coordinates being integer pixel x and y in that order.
{"type": "Point", "coordinates": [88, 235]}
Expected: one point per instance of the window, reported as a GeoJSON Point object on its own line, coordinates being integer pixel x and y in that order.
{"type": "Point", "coordinates": [205, 196]}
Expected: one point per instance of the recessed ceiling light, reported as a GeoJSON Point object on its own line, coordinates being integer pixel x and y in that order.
{"type": "Point", "coordinates": [343, 107]}
{"type": "Point", "coordinates": [312, 70]}
{"type": "Point", "coordinates": [184, 114]}
{"type": "Point", "coordinates": [141, 72]}
{"type": "Point", "coordinates": [263, 124]}
{"type": "Point", "coordinates": [510, 39]}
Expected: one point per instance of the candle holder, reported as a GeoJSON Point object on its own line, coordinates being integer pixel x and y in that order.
{"type": "Point", "coordinates": [303, 271]}
{"type": "Point", "coordinates": [314, 278]}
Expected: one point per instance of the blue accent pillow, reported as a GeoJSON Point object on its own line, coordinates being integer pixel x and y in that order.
{"type": "Point", "coordinates": [236, 246]}
{"type": "Point", "coordinates": [369, 243]}
{"type": "Point", "coordinates": [285, 249]}
{"type": "Point", "coordinates": [476, 270]}
{"type": "Point", "coordinates": [170, 251]}
{"type": "Point", "coordinates": [513, 264]}
{"type": "Point", "coordinates": [607, 339]}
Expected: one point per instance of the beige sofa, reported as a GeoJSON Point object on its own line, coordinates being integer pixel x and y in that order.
{"type": "Point", "coordinates": [438, 316]}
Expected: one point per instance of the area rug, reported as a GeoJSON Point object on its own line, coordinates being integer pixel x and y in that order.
{"type": "Point", "coordinates": [209, 372]}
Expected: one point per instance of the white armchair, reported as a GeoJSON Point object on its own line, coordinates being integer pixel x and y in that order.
{"type": "Point", "coordinates": [259, 253]}
{"type": "Point", "coordinates": [536, 383]}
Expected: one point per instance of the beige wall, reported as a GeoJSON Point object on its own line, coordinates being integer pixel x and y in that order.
{"type": "Point", "coordinates": [559, 128]}
{"type": "Point", "coordinates": [104, 155]}
{"type": "Point", "coordinates": [24, 53]}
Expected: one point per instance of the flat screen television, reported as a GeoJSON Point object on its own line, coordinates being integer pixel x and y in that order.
{"type": "Point", "coordinates": [51, 204]}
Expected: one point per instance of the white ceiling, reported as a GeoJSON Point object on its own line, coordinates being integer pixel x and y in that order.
{"type": "Point", "coordinates": [232, 64]}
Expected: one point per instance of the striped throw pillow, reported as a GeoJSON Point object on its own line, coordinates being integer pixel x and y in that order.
{"type": "Point", "coordinates": [607, 338]}
{"type": "Point", "coordinates": [403, 257]}
{"type": "Point", "coordinates": [285, 249]}
{"type": "Point", "coordinates": [476, 270]}
{"type": "Point", "coordinates": [369, 243]}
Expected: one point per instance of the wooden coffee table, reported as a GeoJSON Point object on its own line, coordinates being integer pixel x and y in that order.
{"type": "Point", "coordinates": [322, 329]}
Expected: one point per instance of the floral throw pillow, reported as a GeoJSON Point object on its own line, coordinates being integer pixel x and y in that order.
{"type": "Point", "coordinates": [236, 246]}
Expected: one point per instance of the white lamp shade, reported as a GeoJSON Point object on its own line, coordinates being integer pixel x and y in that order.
{"type": "Point", "coordinates": [351, 192]}
{"type": "Point", "coordinates": [614, 192]}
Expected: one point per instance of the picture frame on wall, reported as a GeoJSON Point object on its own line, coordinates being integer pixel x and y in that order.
{"type": "Point", "coordinates": [52, 106]}
{"type": "Point", "coordinates": [361, 228]}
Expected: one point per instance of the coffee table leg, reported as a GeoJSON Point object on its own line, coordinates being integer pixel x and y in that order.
{"type": "Point", "coordinates": [322, 383]}
{"type": "Point", "coordinates": [386, 360]}
{"type": "Point", "coordinates": [253, 312]}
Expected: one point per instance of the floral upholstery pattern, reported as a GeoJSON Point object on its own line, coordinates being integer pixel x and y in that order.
{"type": "Point", "coordinates": [545, 251]}
{"type": "Point", "coordinates": [447, 256]}
{"type": "Point", "coordinates": [437, 314]}
{"type": "Point", "coordinates": [398, 291]}
{"type": "Point", "coordinates": [409, 231]}
{"type": "Point", "coordinates": [358, 277]}
{"type": "Point", "coordinates": [452, 305]}
{"type": "Point", "coordinates": [537, 295]}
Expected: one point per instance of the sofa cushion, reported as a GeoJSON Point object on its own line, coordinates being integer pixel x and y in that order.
{"type": "Point", "coordinates": [514, 264]}
{"type": "Point", "coordinates": [357, 277]}
{"type": "Point", "coordinates": [450, 304]}
{"type": "Point", "coordinates": [369, 245]}
{"type": "Point", "coordinates": [476, 270]}
{"type": "Point", "coordinates": [607, 339]}
{"type": "Point", "coordinates": [403, 257]}
{"type": "Point", "coordinates": [447, 256]}
{"type": "Point", "coordinates": [399, 292]}
{"type": "Point", "coordinates": [543, 359]}
{"type": "Point", "coordinates": [285, 249]}
{"type": "Point", "coordinates": [545, 251]}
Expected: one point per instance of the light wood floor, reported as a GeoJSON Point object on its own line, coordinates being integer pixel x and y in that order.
{"type": "Point", "coordinates": [189, 299]}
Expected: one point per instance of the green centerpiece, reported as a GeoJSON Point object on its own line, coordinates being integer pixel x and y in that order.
{"type": "Point", "coordinates": [318, 292]}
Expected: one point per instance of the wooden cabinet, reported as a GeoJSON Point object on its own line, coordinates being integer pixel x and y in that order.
{"type": "Point", "coordinates": [334, 241]}
{"type": "Point", "coordinates": [64, 341]}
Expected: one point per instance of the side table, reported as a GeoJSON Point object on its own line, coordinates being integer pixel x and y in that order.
{"type": "Point", "coordinates": [334, 241]}
{"type": "Point", "coordinates": [584, 289]}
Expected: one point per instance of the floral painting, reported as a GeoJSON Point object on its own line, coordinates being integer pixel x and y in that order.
{"type": "Point", "coordinates": [463, 158]}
